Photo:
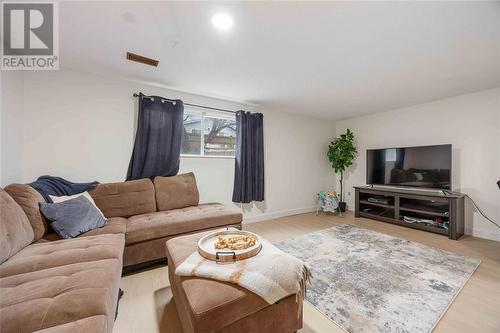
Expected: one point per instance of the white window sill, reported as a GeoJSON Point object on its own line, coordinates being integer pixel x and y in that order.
{"type": "Point", "coordinates": [207, 156]}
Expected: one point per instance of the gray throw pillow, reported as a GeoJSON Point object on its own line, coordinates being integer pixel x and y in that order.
{"type": "Point", "coordinates": [73, 217]}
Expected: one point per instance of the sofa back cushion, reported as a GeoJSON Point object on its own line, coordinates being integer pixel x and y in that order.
{"type": "Point", "coordinates": [29, 200]}
{"type": "Point", "coordinates": [15, 230]}
{"type": "Point", "coordinates": [176, 192]}
{"type": "Point", "coordinates": [125, 199]}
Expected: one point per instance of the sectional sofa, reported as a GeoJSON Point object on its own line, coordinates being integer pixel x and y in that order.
{"type": "Point", "coordinates": [52, 285]}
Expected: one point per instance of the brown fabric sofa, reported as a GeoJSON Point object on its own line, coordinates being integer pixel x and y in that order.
{"type": "Point", "coordinates": [148, 213]}
{"type": "Point", "coordinates": [72, 285]}
{"type": "Point", "coordinates": [61, 286]}
{"type": "Point", "coordinates": [224, 307]}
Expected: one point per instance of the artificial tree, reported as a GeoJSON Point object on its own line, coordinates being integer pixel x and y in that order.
{"type": "Point", "coordinates": [341, 153]}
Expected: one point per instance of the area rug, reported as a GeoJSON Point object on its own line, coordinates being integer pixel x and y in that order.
{"type": "Point", "coordinates": [366, 281]}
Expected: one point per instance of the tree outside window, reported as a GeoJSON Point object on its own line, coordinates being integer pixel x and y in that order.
{"type": "Point", "coordinates": [219, 135]}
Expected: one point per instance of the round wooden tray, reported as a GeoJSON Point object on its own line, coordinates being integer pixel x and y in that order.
{"type": "Point", "coordinates": [207, 249]}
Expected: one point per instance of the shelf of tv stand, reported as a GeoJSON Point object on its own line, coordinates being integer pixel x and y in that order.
{"type": "Point", "coordinates": [423, 211]}
{"type": "Point", "coordinates": [376, 204]}
{"type": "Point", "coordinates": [405, 224]}
{"type": "Point", "coordinates": [426, 204]}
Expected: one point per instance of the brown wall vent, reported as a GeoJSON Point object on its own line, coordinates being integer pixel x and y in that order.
{"type": "Point", "coordinates": [142, 60]}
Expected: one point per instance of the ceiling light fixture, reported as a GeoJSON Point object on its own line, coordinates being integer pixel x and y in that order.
{"type": "Point", "coordinates": [222, 21]}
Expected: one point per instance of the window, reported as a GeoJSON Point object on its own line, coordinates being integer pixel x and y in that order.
{"type": "Point", "coordinates": [390, 155]}
{"type": "Point", "coordinates": [191, 141]}
{"type": "Point", "coordinates": [219, 134]}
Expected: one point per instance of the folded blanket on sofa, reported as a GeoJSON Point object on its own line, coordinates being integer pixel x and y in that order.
{"type": "Point", "coordinates": [272, 274]}
{"type": "Point", "coordinates": [56, 186]}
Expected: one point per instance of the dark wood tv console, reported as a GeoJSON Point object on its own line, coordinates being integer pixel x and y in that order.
{"type": "Point", "coordinates": [392, 205]}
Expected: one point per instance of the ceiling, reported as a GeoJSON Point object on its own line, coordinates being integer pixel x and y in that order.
{"type": "Point", "coordinates": [332, 60]}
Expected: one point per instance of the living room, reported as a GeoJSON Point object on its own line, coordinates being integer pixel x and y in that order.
{"type": "Point", "coordinates": [257, 107]}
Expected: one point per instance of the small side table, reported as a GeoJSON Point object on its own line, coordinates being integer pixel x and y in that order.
{"type": "Point", "coordinates": [328, 202]}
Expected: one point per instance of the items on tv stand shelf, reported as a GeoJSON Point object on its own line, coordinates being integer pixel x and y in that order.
{"type": "Point", "coordinates": [424, 210]}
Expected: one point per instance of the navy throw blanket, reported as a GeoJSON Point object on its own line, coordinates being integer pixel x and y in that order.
{"type": "Point", "coordinates": [56, 186]}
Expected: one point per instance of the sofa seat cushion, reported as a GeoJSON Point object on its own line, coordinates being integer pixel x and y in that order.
{"type": "Point", "coordinates": [222, 303]}
{"type": "Point", "coordinates": [61, 295]}
{"type": "Point", "coordinates": [178, 221]}
{"type": "Point", "coordinates": [114, 225]}
{"type": "Point", "coordinates": [45, 255]}
{"type": "Point", "coordinates": [95, 324]}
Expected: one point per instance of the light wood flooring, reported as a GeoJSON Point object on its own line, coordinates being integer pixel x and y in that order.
{"type": "Point", "coordinates": [147, 305]}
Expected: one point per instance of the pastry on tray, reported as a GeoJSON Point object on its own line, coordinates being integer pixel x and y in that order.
{"type": "Point", "coordinates": [234, 242]}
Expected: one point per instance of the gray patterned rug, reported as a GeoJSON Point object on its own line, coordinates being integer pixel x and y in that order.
{"type": "Point", "coordinates": [366, 281]}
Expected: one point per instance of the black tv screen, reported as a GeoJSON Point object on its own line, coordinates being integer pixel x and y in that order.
{"type": "Point", "coordinates": [424, 166]}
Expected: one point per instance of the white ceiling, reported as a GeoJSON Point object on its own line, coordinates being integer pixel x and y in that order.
{"type": "Point", "coordinates": [330, 59]}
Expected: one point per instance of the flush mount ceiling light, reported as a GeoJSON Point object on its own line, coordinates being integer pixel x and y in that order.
{"type": "Point", "coordinates": [222, 21]}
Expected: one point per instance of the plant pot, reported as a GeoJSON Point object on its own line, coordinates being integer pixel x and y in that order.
{"type": "Point", "coordinates": [342, 206]}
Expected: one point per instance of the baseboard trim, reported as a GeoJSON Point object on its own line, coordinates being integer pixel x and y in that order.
{"type": "Point", "coordinates": [481, 233]}
{"type": "Point", "coordinates": [278, 214]}
{"type": "Point", "coordinates": [274, 215]}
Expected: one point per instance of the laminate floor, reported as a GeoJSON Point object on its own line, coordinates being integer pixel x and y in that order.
{"type": "Point", "coordinates": [147, 305]}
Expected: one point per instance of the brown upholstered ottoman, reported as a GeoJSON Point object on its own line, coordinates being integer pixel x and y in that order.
{"type": "Point", "coordinates": [206, 305]}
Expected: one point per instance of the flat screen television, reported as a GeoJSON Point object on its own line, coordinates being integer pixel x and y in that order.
{"type": "Point", "coordinates": [424, 166]}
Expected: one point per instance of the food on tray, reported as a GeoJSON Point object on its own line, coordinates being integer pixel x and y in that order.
{"type": "Point", "coordinates": [234, 242]}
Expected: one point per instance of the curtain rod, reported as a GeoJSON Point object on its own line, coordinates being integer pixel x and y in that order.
{"type": "Point", "coordinates": [188, 104]}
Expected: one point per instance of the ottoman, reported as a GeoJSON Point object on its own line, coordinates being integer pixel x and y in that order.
{"type": "Point", "coordinates": [206, 305]}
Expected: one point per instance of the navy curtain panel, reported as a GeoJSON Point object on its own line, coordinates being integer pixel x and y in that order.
{"type": "Point", "coordinates": [157, 146]}
{"type": "Point", "coordinates": [400, 158]}
{"type": "Point", "coordinates": [249, 162]}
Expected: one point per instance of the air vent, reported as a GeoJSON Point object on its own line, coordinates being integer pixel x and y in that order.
{"type": "Point", "coordinates": [142, 60]}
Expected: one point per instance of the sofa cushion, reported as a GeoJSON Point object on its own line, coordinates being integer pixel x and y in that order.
{"type": "Point", "coordinates": [176, 192]}
{"type": "Point", "coordinates": [60, 296]}
{"type": "Point", "coordinates": [46, 255]}
{"type": "Point", "coordinates": [178, 221]}
{"type": "Point", "coordinates": [114, 225]}
{"type": "Point", "coordinates": [73, 217]}
{"type": "Point", "coordinates": [29, 200]}
{"type": "Point", "coordinates": [125, 199]}
{"type": "Point", "coordinates": [94, 324]}
{"type": "Point", "coordinates": [15, 229]}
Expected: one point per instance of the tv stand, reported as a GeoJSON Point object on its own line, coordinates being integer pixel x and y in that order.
{"type": "Point", "coordinates": [433, 211]}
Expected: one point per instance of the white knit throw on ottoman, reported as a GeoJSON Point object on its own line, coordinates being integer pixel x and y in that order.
{"type": "Point", "coordinates": [272, 274]}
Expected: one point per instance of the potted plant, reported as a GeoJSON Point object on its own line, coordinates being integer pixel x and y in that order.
{"type": "Point", "coordinates": [341, 153]}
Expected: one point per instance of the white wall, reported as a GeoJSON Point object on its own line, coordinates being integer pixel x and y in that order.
{"type": "Point", "coordinates": [81, 127]}
{"type": "Point", "coordinates": [11, 128]}
{"type": "Point", "coordinates": [471, 123]}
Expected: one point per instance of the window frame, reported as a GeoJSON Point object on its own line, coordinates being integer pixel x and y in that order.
{"type": "Point", "coordinates": [203, 114]}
